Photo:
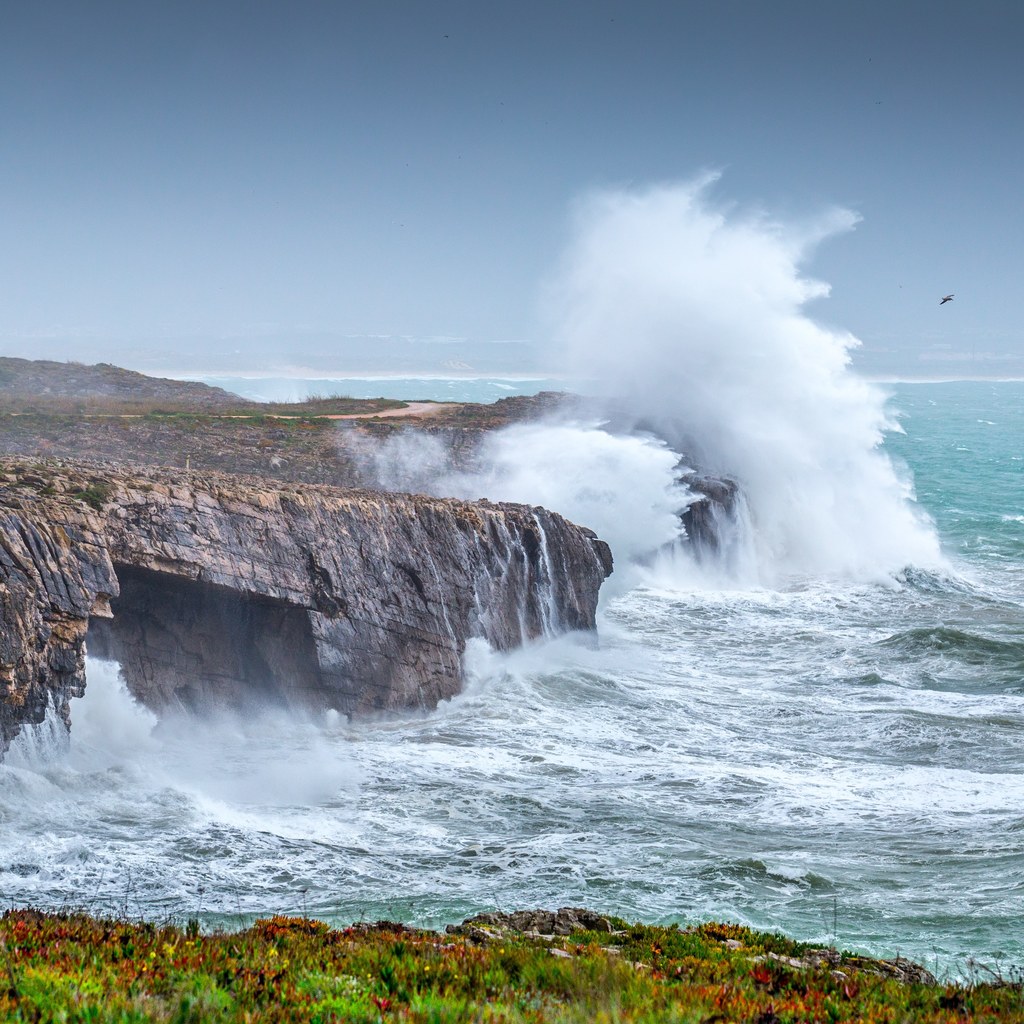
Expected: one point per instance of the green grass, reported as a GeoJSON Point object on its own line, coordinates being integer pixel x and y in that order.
{"type": "Point", "coordinates": [95, 494]}
{"type": "Point", "coordinates": [75, 968]}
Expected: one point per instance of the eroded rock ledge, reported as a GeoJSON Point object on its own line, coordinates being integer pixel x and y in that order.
{"type": "Point", "coordinates": [216, 587]}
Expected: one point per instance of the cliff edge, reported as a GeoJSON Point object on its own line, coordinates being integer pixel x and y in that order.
{"type": "Point", "coordinates": [213, 589]}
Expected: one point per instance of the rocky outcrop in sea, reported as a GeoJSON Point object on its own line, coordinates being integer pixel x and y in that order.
{"type": "Point", "coordinates": [214, 589]}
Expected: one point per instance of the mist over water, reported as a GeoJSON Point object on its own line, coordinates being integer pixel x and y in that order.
{"type": "Point", "coordinates": [137, 814]}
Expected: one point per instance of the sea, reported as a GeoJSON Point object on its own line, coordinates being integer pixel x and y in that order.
{"type": "Point", "coordinates": [830, 747]}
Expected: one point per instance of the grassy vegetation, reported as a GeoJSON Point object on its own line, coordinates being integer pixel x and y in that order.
{"type": "Point", "coordinates": [103, 405]}
{"type": "Point", "coordinates": [70, 967]}
{"type": "Point", "coordinates": [332, 405]}
{"type": "Point", "coordinates": [96, 494]}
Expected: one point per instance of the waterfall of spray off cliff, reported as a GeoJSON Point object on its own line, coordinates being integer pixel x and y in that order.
{"type": "Point", "coordinates": [692, 321]}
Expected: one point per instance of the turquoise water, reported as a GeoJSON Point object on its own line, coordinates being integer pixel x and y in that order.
{"type": "Point", "coordinates": [837, 756]}
{"type": "Point", "coordinates": [964, 443]}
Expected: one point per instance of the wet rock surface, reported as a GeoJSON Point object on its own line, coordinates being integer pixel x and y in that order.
{"type": "Point", "coordinates": [704, 518]}
{"type": "Point", "coordinates": [53, 576]}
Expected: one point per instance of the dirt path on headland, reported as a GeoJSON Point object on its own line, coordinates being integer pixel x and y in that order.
{"type": "Point", "coordinates": [412, 409]}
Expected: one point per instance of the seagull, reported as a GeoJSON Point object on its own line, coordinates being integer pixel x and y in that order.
{"type": "Point", "coordinates": [945, 298]}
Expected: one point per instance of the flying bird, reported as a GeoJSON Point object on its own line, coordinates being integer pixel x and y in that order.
{"type": "Point", "coordinates": [945, 298]}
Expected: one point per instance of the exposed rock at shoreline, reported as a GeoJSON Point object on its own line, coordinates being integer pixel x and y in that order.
{"type": "Point", "coordinates": [706, 518]}
{"type": "Point", "coordinates": [222, 587]}
{"type": "Point", "coordinates": [551, 924]}
{"type": "Point", "coordinates": [54, 575]}
{"type": "Point", "coordinates": [564, 921]}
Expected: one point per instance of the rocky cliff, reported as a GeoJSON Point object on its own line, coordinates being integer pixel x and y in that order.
{"type": "Point", "coordinates": [211, 588]}
{"type": "Point", "coordinates": [54, 575]}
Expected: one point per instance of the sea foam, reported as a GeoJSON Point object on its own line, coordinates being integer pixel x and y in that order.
{"type": "Point", "coordinates": [696, 317]}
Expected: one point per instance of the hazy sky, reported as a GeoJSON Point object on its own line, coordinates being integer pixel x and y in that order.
{"type": "Point", "coordinates": [178, 180]}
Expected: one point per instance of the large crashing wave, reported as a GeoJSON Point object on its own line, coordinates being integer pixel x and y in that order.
{"type": "Point", "coordinates": [696, 318]}
{"type": "Point", "coordinates": [693, 320]}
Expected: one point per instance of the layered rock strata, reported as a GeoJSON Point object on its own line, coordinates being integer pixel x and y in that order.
{"type": "Point", "coordinates": [54, 575]}
{"type": "Point", "coordinates": [213, 588]}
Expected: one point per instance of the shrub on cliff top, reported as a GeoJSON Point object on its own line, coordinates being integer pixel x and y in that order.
{"type": "Point", "coordinates": [96, 494]}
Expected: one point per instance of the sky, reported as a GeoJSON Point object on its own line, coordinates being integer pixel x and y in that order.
{"type": "Point", "coordinates": [216, 186]}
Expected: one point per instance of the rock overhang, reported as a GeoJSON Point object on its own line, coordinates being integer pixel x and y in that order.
{"type": "Point", "coordinates": [355, 600]}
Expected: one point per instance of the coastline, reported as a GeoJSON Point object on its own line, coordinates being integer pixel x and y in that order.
{"type": "Point", "coordinates": [763, 873]}
{"type": "Point", "coordinates": [570, 965]}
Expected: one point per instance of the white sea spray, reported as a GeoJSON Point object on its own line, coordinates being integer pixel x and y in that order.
{"type": "Point", "coordinates": [694, 322]}
{"type": "Point", "coordinates": [696, 317]}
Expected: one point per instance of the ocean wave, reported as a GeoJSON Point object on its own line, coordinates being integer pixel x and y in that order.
{"type": "Point", "coordinates": [969, 647]}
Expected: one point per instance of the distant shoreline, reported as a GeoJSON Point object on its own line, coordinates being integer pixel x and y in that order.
{"type": "Point", "coordinates": [463, 386]}
{"type": "Point", "coordinates": [458, 386]}
{"type": "Point", "coordinates": [293, 374]}
{"type": "Point", "coordinates": [945, 380]}
{"type": "Point", "coordinates": [379, 375]}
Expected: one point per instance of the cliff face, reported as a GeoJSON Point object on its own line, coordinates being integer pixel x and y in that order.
{"type": "Point", "coordinates": [707, 518]}
{"type": "Point", "coordinates": [54, 575]}
{"type": "Point", "coordinates": [222, 588]}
